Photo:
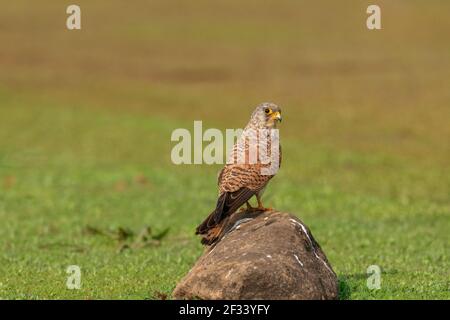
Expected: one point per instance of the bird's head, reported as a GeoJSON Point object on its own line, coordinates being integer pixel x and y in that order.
{"type": "Point", "coordinates": [266, 116]}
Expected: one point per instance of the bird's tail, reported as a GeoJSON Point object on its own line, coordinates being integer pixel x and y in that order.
{"type": "Point", "coordinates": [210, 230]}
{"type": "Point", "coordinates": [214, 218]}
{"type": "Point", "coordinates": [212, 226]}
{"type": "Point", "coordinates": [207, 224]}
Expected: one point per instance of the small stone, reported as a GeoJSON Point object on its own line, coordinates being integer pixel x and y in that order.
{"type": "Point", "coordinates": [296, 269]}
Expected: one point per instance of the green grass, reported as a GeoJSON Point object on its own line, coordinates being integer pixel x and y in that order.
{"type": "Point", "coordinates": [86, 119]}
{"type": "Point", "coordinates": [69, 169]}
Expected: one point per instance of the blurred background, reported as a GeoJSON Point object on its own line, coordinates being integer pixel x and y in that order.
{"type": "Point", "coordinates": [86, 118]}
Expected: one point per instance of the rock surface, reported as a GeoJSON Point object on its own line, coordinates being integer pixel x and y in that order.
{"type": "Point", "coordinates": [261, 255]}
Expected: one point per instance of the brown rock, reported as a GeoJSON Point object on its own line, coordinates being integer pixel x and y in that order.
{"type": "Point", "coordinates": [261, 255]}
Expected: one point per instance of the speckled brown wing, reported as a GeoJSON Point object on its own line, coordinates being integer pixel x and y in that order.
{"type": "Point", "coordinates": [236, 186]}
{"type": "Point", "coordinates": [239, 183]}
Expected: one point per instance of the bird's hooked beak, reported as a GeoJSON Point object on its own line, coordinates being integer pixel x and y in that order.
{"type": "Point", "coordinates": [277, 116]}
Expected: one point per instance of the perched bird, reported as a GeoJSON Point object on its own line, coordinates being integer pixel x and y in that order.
{"type": "Point", "coordinates": [242, 178]}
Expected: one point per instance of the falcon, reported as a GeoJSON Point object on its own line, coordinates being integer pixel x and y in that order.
{"type": "Point", "coordinates": [246, 175]}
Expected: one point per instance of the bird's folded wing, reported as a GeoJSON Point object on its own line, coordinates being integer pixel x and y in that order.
{"type": "Point", "coordinates": [236, 176]}
{"type": "Point", "coordinates": [229, 202]}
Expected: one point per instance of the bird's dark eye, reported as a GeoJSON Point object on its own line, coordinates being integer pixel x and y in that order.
{"type": "Point", "coordinates": [267, 110]}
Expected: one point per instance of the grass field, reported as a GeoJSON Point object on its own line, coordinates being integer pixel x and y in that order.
{"type": "Point", "coordinates": [86, 118]}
